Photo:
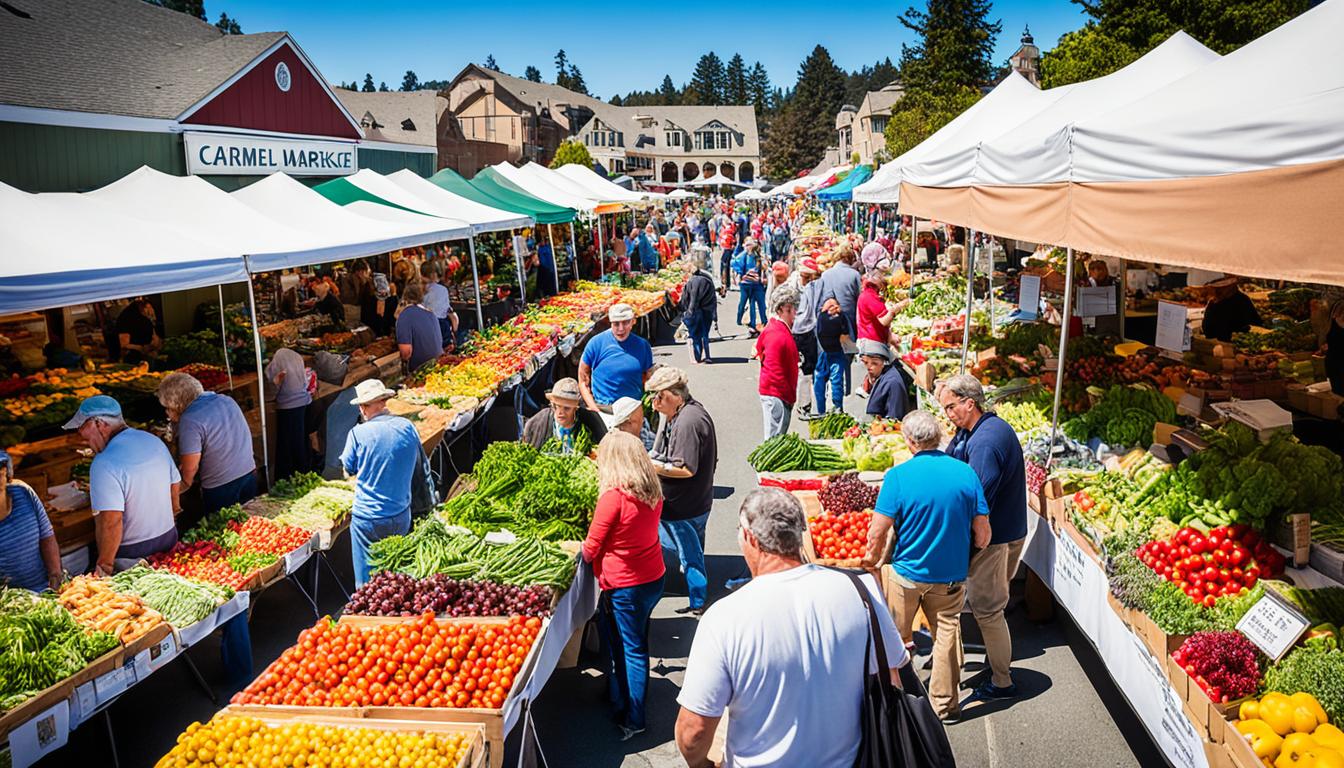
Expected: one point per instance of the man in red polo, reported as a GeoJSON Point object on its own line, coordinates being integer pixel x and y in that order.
{"type": "Point", "coordinates": [779, 362]}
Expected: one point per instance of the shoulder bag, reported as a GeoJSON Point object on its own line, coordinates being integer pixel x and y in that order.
{"type": "Point", "coordinates": [898, 728]}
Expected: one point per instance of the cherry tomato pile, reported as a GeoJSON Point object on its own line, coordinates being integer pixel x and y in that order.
{"type": "Point", "coordinates": [204, 560]}
{"type": "Point", "coordinates": [840, 537]}
{"type": "Point", "coordinates": [229, 740]}
{"type": "Point", "coordinates": [416, 663]}
{"type": "Point", "coordinates": [257, 534]}
{"type": "Point", "coordinates": [1226, 561]}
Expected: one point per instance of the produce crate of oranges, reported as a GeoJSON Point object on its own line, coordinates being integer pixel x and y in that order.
{"type": "Point", "coordinates": [233, 738]}
{"type": "Point", "coordinates": [420, 663]}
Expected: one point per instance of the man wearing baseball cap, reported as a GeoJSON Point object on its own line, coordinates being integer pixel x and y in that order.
{"type": "Point", "coordinates": [616, 362]}
{"type": "Point", "coordinates": [381, 454]}
{"type": "Point", "coordinates": [133, 486]}
{"type": "Point", "coordinates": [685, 453]}
{"type": "Point", "coordinates": [627, 415]}
{"type": "Point", "coordinates": [565, 420]}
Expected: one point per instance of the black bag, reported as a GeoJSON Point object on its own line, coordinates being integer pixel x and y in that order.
{"type": "Point", "coordinates": [898, 728]}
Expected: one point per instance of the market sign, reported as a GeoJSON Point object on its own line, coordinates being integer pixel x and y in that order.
{"type": "Point", "coordinates": [215, 154]}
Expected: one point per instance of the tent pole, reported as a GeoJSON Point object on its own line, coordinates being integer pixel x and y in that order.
{"type": "Point", "coordinates": [476, 283]}
{"type": "Point", "coordinates": [574, 244]}
{"type": "Point", "coordinates": [970, 297]}
{"type": "Point", "coordinates": [601, 251]}
{"type": "Point", "coordinates": [261, 376]}
{"type": "Point", "coordinates": [914, 230]}
{"type": "Point", "coordinates": [224, 336]}
{"type": "Point", "coordinates": [1124, 291]}
{"type": "Point", "coordinates": [518, 267]}
{"type": "Point", "coordinates": [1063, 348]}
{"type": "Point", "coordinates": [555, 263]}
{"type": "Point", "coordinates": [989, 241]}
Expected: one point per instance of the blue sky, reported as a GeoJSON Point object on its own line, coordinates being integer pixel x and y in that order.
{"type": "Point", "coordinates": [618, 46]}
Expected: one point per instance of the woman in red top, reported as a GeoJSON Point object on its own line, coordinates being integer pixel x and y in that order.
{"type": "Point", "coordinates": [778, 353]}
{"type": "Point", "coordinates": [876, 313]}
{"type": "Point", "coordinates": [623, 547]}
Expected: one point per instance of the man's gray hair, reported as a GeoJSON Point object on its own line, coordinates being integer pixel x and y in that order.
{"type": "Point", "coordinates": [775, 517]}
{"type": "Point", "coordinates": [112, 422]}
{"type": "Point", "coordinates": [921, 429]}
{"type": "Point", "coordinates": [784, 295]}
{"type": "Point", "coordinates": [967, 386]}
{"type": "Point", "coordinates": [178, 390]}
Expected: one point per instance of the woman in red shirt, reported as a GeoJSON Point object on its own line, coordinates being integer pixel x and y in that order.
{"type": "Point", "coordinates": [622, 545]}
{"type": "Point", "coordinates": [876, 313]}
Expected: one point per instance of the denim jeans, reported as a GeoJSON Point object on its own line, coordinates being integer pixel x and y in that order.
{"type": "Point", "coordinates": [687, 539]}
{"type": "Point", "coordinates": [364, 531]}
{"type": "Point", "coordinates": [697, 327]}
{"type": "Point", "coordinates": [751, 295]}
{"type": "Point", "coordinates": [624, 614]}
{"type": "Point", "coordinates": [775, 415]}
{"type": "Point", "coordinates": [235, 637]}
{"type": "Point", "coordinates": [830, 367]}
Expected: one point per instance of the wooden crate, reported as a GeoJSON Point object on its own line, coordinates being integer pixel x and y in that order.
{"type": "Point", "coordinates": [63, 689]}
{"type": "Point", "coordinates": [477, 756]}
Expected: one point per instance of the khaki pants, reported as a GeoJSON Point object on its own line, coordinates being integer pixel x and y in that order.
{"type": "Point", "coordinates": [987, 595]}
{"type": "Point", "coordinates": [942, 606]}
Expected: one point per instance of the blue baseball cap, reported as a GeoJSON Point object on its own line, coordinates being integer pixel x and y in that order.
{"type": "Point", "coordinates": [98, 405]}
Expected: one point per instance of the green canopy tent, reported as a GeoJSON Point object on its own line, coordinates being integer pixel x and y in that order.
{"type": "Point", "coordinates": [489, 188]}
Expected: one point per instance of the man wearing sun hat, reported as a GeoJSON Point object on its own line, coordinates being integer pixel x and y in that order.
{"type": "Point", "coordinates": [381, 453]}
{"type": "Point", "coordinates": [133, 486]}
{"type": "Point", "coordinates": [616, 362]}
{"type": "Point", "coordinates": [565, 419]}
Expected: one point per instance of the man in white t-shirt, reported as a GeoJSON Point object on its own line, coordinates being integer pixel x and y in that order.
{"type": "Point", "coordinates": [782, 655]}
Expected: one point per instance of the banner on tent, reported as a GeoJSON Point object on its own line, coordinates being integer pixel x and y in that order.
{"type": "Point", "coordinates": [210, 154]}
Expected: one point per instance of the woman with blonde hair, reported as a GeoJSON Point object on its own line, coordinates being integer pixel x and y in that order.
{"type": "Point", "coordinates": [622, 545]}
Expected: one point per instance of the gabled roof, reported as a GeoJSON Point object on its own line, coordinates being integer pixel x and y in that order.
{"type": "Point", "coordinates": [120, 57]}
{"type": "Point", "coordinates": [534, 95]}
{"type": "Point", "coordinates": [391, 110]}
{"type": "Point", "coordinates": [685, 118]}
{"type": "Point", "coordinates": [881, 102]}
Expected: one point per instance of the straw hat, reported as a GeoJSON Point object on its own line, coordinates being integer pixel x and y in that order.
{"type": "Point", "coordinates": [371, 390]}
{"type": "Point", "coordinates": [566, 389]}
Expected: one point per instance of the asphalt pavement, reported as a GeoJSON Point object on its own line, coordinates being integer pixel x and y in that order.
{"type": "Point", "coordinates": [1070, 713]}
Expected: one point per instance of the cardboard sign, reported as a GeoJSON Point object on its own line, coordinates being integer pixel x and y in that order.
{"type": "Point", "coordinates": [40, 736]}
{"type": "Point", "coordinates": [1273, 625]}
{"type": "Point", "coordinates": [1173, 329]}
{"type": "Point", "coordinates": [1029, 296]}
{"type": "Point", "coordinates": [112, 684]}
{"type": "Point", "coordinates": [152, 658]}
{"type": "Point", "coordinates": [1096, 302]}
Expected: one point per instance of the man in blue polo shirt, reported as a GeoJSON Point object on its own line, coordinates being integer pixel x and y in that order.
{"type": "Point", "coordinates": [381, 454]}
{"type": "Point", "coordinates": [990, 446]}
{"type": "Point", "coordinates": [938, 509]}
{"type": "Point", "coordinates": [616, 362]}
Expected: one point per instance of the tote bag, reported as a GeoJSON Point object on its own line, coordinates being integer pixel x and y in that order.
{"type": "Point", "coordinates": [898, 728]}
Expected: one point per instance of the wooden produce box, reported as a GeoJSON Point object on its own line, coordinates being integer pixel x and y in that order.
{"type": "Point", "coordinates": [48, 697]}
{"type": "Point", "coordinates": [1218, 755]}
{"type": "Point", "coordinates": [1159, 643]}
{"type": "Point", "coordinates": [478, 754]}
{"type": "Point", "coordinates": [1211, 718]}
{"type": "Point", "coordinates": [1120, 610]}
{"type": "Point", "coordinates": [1239, 748]}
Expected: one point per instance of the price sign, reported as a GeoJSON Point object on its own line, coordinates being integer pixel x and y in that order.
{"type": "Point", "coordinates": [1273, 625]}
{"type": "Point", "coordinates": [299, 556]}
{"type": "Point", "coordinates": [152, 658]}
{"type": "Point", "coordinates": [1096, 302]}
{"type": "Point", "coordinates": [40, 736]}
{"type": "Point", "coordinates": [85, 702]}
{"type": "Point", "coordinates": [112, 684]}
{"type": "Point", "coordinates": [1173, 330]}
{"type": "Point", "coordinates": [1029, 296]}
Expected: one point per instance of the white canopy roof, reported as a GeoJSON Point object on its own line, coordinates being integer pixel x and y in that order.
{"type": "Point", "coordinates": [804, 182]}
{"type": "Point", "coordinates": [716, 180]}
{"type": "Point", "coordinates": [1274, 102]}
{"type": "Point", "coordinates": [1037, 150]}
{"type": "Point", "coordinates": [290, 203]}
{"type": "Point", "coordinates": [566, 184]}
{"type": "Point", "coordinates": [749, 194]}
{"type": "Point", "coordinates": [681, 194]}
{"type": "Point", "coordinates": [63, 249]}
{"type": "Point", "coordinates": [607, 191]}
{"type": "Point", "coordinates": [545, 189]}
{"type": "Point", "coordinates": [482, 218]}
{"type": "Point", "coordinates": [1009, 103]}
{"type": "Point", "coordinates": [441, 210]}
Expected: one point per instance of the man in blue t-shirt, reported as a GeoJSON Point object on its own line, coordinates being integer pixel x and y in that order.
{"type": "Point", "coordinates": [616, 362]}
{"type": "Point", "coordinates": [990, 446]}
{"type": "Point", "coordinates": [938, 511]}
{"type": "Point", "coordinates": [29, 555]}
{"type": "Point", "coordinates": [381, 454]}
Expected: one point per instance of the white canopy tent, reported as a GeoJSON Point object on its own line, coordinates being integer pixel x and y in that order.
{"type": "Point", "coordinates": [482, 218]}
{"type": "Point", "coordinates": [63, 249]}
{"type": "Point", "coordinates": [681, 194]}
{"type": "Point", "coordinates": [718, 179]}
{"type": "Point", "coordinates": [385, 189]}
{"type": "Point", "coordinates": [290, 203]}
{"type": "Point", "coordinates": [749, 194]}
{"type": "Point", "coordinates": [565, 184]}
{"type": "Point", "coordinates": [1011, 101]}
{"type": "Point", "coordinates": [789, 187]}
{"type": "Point", "coordinates": [545, 189]}
{"type": "Point", "coordinates": [588, 179]}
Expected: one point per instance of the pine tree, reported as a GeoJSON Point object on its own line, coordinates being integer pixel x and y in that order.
{"type": "Point", "coordinates": [410, 82]}
{"type": "Point", "coordinates": [667, 92]}
{"type": "Point", "coordinates": [228, 26]}
{"type": "Point", "coordinates": [561, 69]}
{"type": "Point", "coordinates": [382, 87]}
{"type": "Point", "coordinates": [576, 82]}
{"type": "Point", "coordinates": [616, 101]}
{"type": "Point", "coordinates": [532, 73]}
{"type": "Point", "coordinates": [954, 46]}
{"type": "Point", "coordinates": [735, 81]}
{"type": "Point", "coordinates": [800, 134]}
{"type": "Point", "coordinates": [194, 8]}
{"type": "Point", "coordinates": [490, 62]}
{"type": "Point", "coordinates": [758, 89]}
{"type": "Point", "coordinates": [707, 81]}
{"type": "Point", "coordinates": [368, 84]}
